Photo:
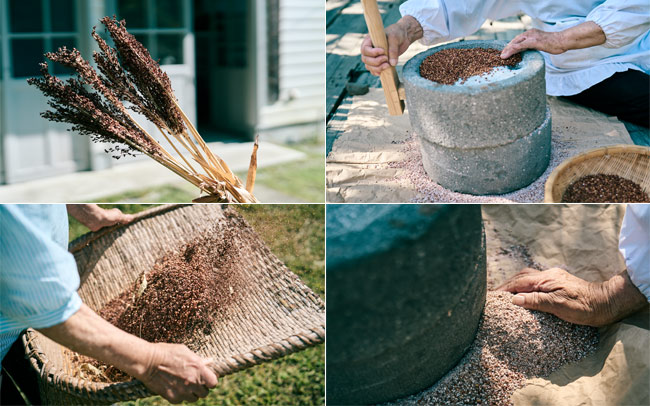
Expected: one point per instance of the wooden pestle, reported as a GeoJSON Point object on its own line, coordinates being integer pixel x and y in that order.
{"type": "Point", "coordinates": [388, 77]}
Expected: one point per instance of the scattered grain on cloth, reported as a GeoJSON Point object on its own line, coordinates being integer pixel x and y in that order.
{"type": "Point", "coordinates": [430, 191]}
{"type": "Point", "coordinates": [512, 344]}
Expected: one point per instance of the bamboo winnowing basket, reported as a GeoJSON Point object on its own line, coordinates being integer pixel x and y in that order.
{"type": "Point", "coordinates": [278, 314]}
{"type": "Point", "coordinates": [627, 161]}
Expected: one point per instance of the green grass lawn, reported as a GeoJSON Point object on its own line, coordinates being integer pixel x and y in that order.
{"type": "Point", "coordinates": [175, 193]}
{"type": "Point", "coordinates": [296, 234]}
{"type": "Point", "coordinates": [303, 180]}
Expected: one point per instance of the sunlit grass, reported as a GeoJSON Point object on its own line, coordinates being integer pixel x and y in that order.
{"type": "Point", "coordinates": [303, 180]}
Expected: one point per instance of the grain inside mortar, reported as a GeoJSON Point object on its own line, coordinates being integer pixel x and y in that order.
{"type": "Point", "coordinates": [175, 301]}
{"type": "Point", "coordinates": [456, 65]}
{"type": "Point", "coordinates": [512, 344]}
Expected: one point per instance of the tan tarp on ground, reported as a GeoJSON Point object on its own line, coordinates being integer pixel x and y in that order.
{"type": "Point", "coordinates": [584, 240]}
{"type": "Point", "coordinates": [358, 167]}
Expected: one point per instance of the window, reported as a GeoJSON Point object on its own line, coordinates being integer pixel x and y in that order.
{"type": "Point", "coordinates": [37, 27]}
{"type": "Point", "coordinates": [26, 54]}
{"type": "Point", "coordinates": [159, 25]}
{"type": "Point", "coordinates": [26, 16]}
{"type": "Point", "coordinates": [222, 26]}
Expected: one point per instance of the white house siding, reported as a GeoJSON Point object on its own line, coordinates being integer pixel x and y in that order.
{"type": "Point", "coordinates": [31, 146]}
{"type": "Point", "coordinates": [302, 66]}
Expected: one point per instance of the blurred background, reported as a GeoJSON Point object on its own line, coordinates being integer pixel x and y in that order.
{"type": "Point", "coordinates": [238, 69]}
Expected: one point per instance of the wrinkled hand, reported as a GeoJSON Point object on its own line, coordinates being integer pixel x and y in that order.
{"type": "Point", "coordinates": [550, 42]}
{"type": "Point", "coordinates": [108, 218]}
{"type": "Point", "coordinates": [178, 374]}
{"type": "Point", "coordinates": [95, 218]}
{"type": "Point", "coordinates": [170, 370]}
{"type": "Point", "coordinates": [558, 292]}
{"type": "Point", "coordinates": [399, 36]}
{"type": "Point", "coordinates": [111, 217]}
{"type": "Point", "coordinates": [573, 299]}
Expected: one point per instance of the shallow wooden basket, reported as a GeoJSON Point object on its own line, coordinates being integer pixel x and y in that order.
{"type": "Point", "coordinates": [276, 315]}
{"type": "Point", "coordinates": [627, 161]}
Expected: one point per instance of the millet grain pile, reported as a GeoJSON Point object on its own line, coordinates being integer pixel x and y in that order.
{"type": "Point", "coordinates": [512, 345]}
{"type": "Point", "coordinates": [177, 299]}
{"type": "Point", "coordinates": [603, 188]}
{"type": "Point", "coordinates": [414, 177]}
{"type": "Point", "coordinates": [449, 65]}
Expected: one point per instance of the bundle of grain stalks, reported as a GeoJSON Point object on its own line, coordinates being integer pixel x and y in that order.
{"type": "Point", "coordinates": [98, 104]}
{"type": "Point", "coordinates": [176, 301]}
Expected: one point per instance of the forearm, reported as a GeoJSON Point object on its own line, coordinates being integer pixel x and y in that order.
{"type": "Point", "coordinates": [585, 35]}
{"type": "Point", "coordinates": [623, 297]}
{"type": "Point", "coordinates": [83, 212]}
{"type": "Point", "coordinates": [87, 333]}
{"type": "Point", "coordinates": [95, 218]}
{"type": "Point", "coordinates": [412, 27]}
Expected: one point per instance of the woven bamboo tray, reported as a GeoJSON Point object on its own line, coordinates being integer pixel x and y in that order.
{"type": "Point", "coordinates": [627, 161]}
{"type": "Point", "coordinates": [277, 315]}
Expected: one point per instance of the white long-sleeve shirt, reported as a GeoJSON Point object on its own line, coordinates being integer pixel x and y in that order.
{"type": "Point", "coordinates": [634, 244]}
{"type": "Point", "coordinates": [626, 24]}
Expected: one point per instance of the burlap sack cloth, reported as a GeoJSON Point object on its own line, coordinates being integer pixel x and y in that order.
{"type": "Point", "coordinates": [584, 240]}
{"type": "Point", "coordinates": [364, 164]}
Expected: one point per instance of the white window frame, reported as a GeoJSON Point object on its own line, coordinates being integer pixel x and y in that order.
{"type": "Point", "coordinates": [6, 36]}
{"type": "Point", "coordinates": [150, 33]}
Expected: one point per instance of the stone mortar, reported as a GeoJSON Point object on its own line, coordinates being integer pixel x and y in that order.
{"type": "Point", "coordinates": [406, 287]}
{"type": "Point", "coordinates": [491, 170]}
{"type": "Point", "coordinates": [474, 116]}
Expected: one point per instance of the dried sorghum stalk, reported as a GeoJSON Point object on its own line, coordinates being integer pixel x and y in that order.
{"type": "Point", "coordinates": [93, 102]}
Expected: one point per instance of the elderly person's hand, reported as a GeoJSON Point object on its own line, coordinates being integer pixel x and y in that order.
{"type": "Point", "coordinates": [95, 218]}
{"type": "Point", "coordinates": [573, 299]}
{"type": "Point", "coordinates": [178, 374]}
{"type": "Point", "coordinates": [400, 36]}
{"type": "Point", "coordinates": [170, 370]}
{"type": "Point", "coordinates": [583, 35]}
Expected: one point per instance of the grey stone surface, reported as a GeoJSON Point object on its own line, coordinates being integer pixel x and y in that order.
{"type": "Point", "coordinates": [477, 115]}
{"type": "Point", "coordinates": [406, 287]}
{"type": "Point", "coordinates": [491, 170]}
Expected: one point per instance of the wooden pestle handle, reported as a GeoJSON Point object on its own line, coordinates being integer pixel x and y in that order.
{"type": "Point", "coordinates": [388, 77]}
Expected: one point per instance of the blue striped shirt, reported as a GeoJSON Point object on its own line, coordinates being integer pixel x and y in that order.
{"type": "Point", "coordinates": [38, 276]}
